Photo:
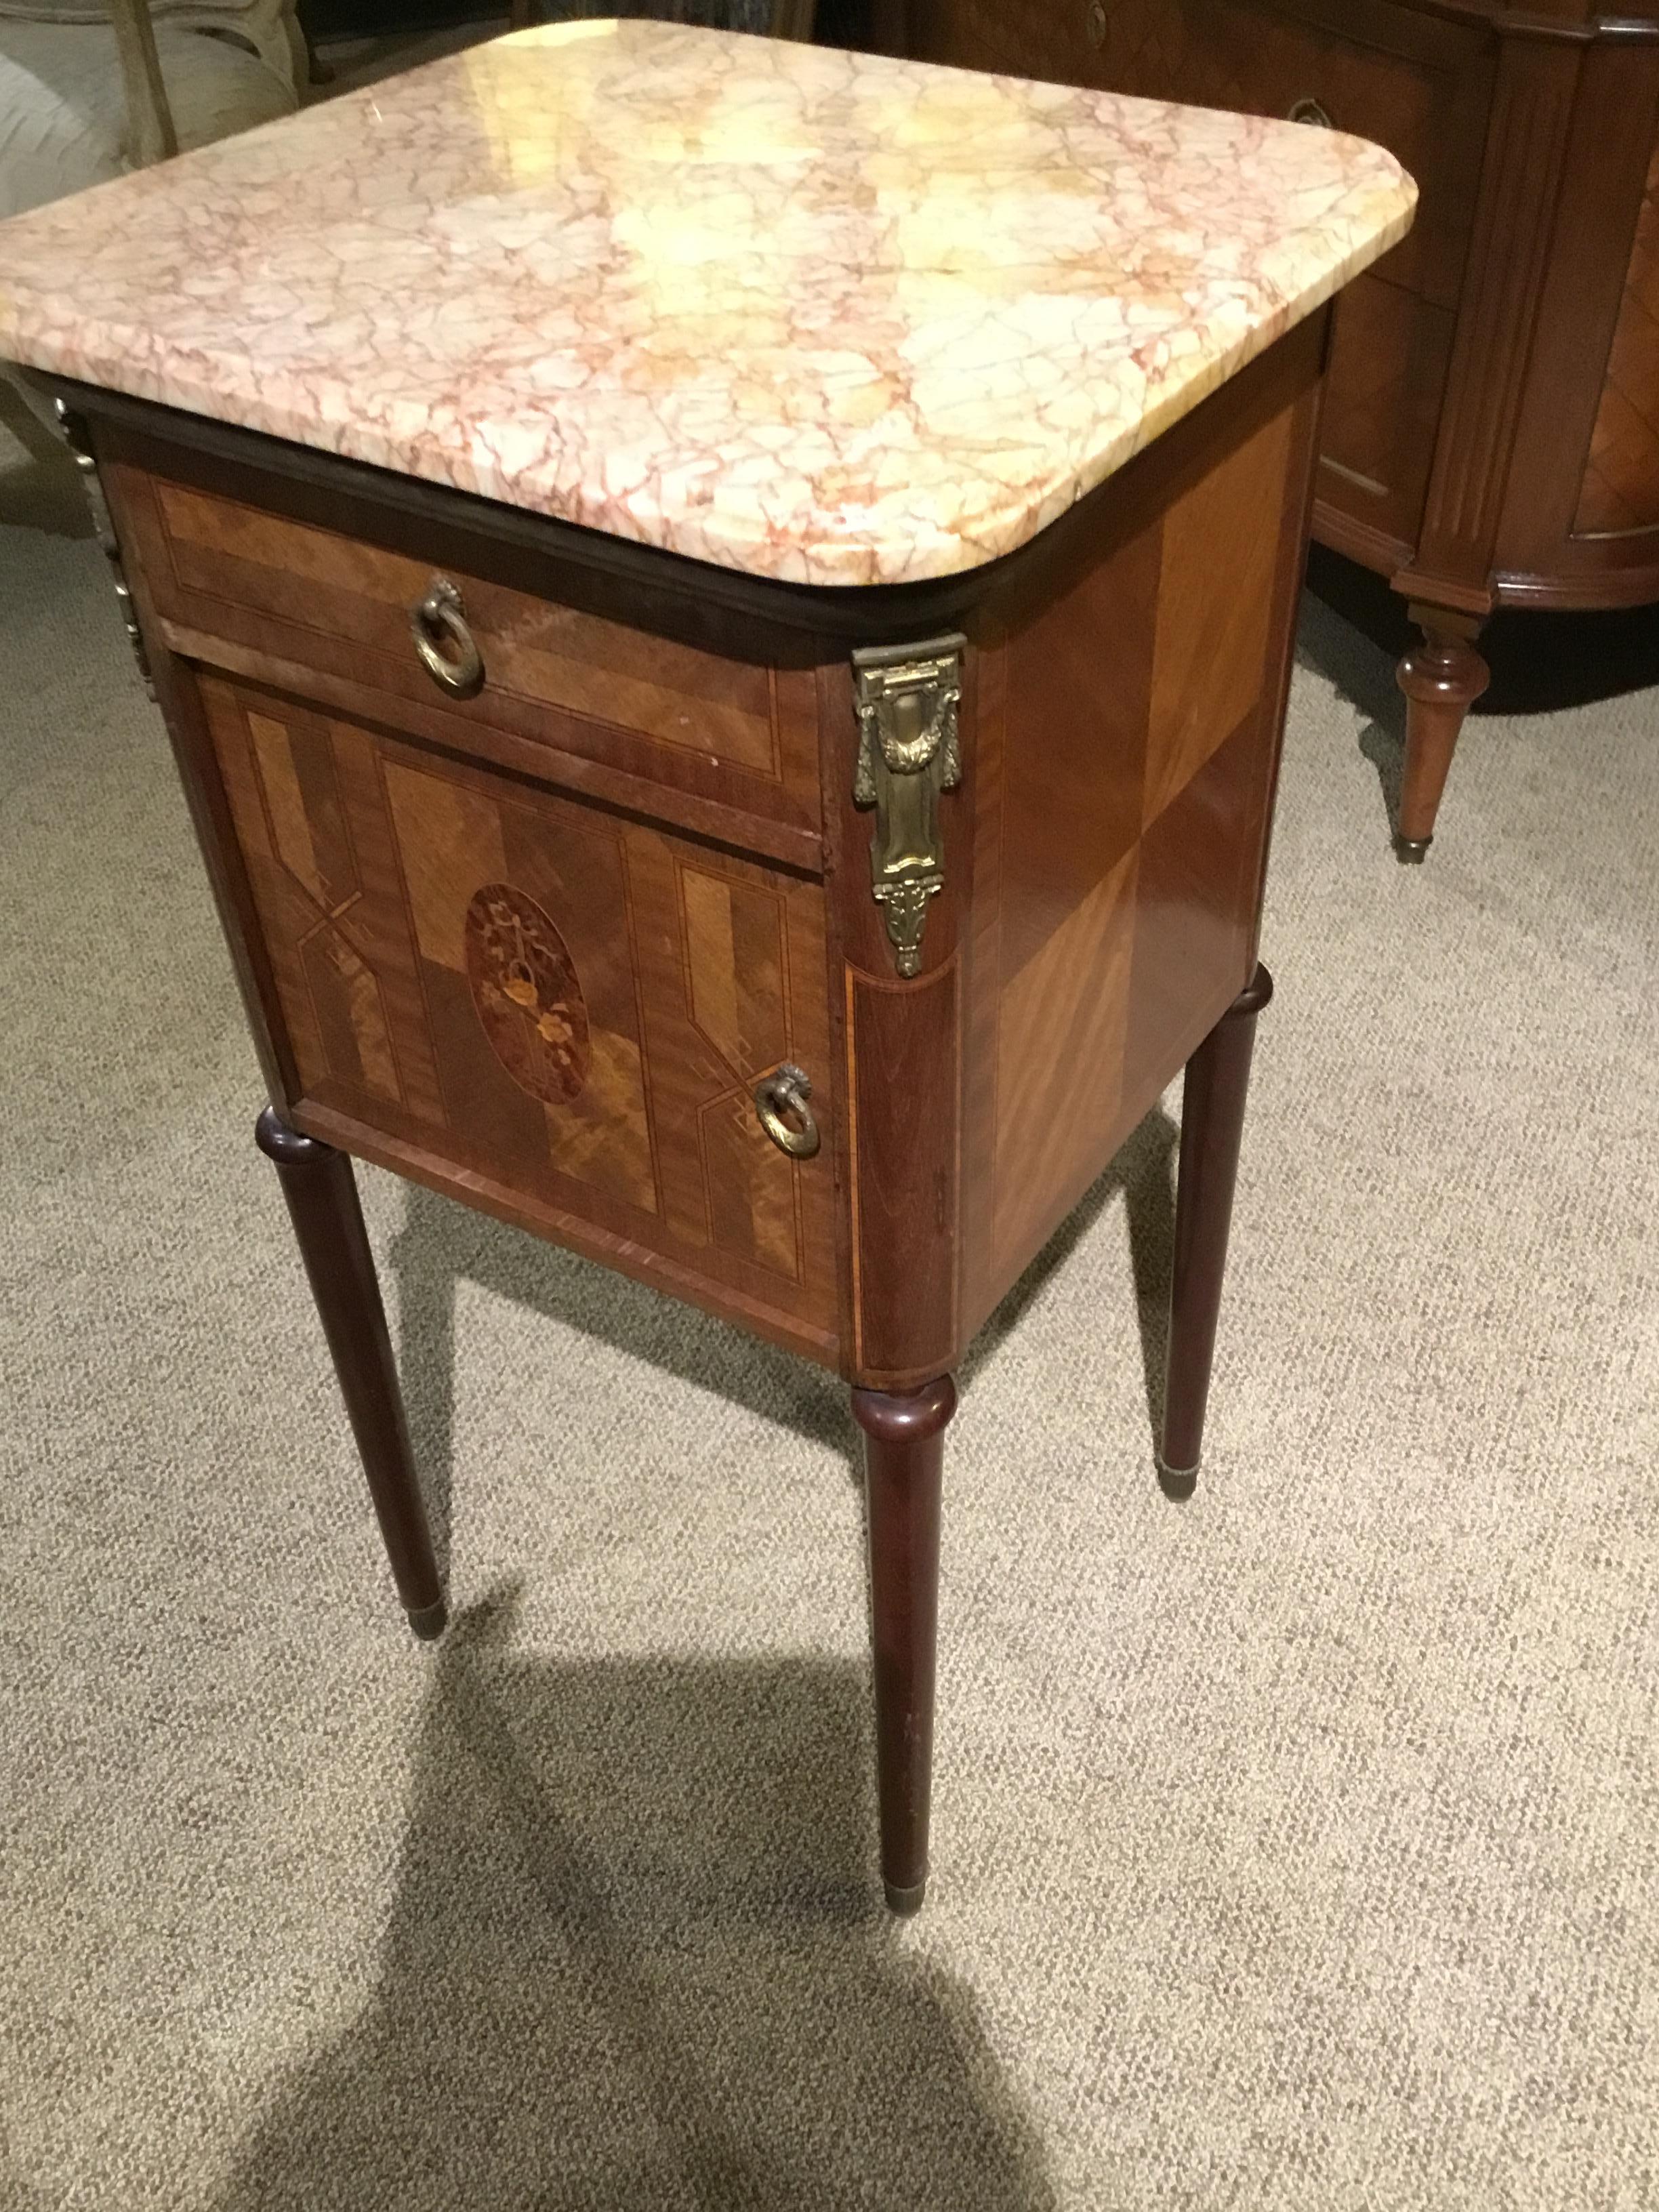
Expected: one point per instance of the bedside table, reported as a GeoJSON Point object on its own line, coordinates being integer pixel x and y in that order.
{"type": "Point", "coordinates": [725, 611]}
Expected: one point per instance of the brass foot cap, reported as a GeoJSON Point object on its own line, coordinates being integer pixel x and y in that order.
{"type": "Point", "coordinates": [905, 1901]}
{"type": "Point", "coordinates": [1413, 851]}
{"type": "Point", "coordinates": [1176, 1481]}
{"type": "Point", "coordinates": [430, 1621]}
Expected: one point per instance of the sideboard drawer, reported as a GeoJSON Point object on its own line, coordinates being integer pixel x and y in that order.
{"type": "Point", "coordinates": [1411, 80]}
{"type": "Point", "coordinates": [571, 1008]}
{"type": "Point", "coordinates": [287, 600]}
{"type": "Point", "coordinates": [1389, 359]}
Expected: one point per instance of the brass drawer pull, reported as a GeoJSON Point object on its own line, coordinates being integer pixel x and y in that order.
{"type": "Point", "coordinates": [785, 1092]}
{"type": "Point", "coordinates": [440, 615]}
{"type": "Point", "coordinates": [1309, 111]}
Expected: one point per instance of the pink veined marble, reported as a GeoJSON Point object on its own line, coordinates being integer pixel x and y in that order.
{"type": "Point", "coordinates": [814, 315]}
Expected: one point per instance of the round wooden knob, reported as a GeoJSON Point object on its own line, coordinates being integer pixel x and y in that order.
{"type": "Point", "coordinates": [780, 1101]}
{"type": "Point", "coordinates": [448, 650]}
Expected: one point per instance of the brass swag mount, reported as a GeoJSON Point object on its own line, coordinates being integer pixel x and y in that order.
{"type": "Point", "coordinates": [907, 697]}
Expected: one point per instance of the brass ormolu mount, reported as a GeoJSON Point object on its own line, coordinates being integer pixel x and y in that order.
{"type": "Point", "coordinates": [907, 697]}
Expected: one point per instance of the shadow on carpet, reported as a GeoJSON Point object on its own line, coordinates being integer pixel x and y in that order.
{"type": "Point", "coordinates": [637, 1961]}
{"type": "Point", "coordinates": [442, 1245]}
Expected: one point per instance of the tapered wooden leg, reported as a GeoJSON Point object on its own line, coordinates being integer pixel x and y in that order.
{"type": "Point", "coordinates": [1211, 1126]}
{"type": "Point", "coordinates": [904, 1459]}
{"type": "Point", "coordinates": [322, 1201]}
{"type": "Point", "coordinates": [1442, 679]}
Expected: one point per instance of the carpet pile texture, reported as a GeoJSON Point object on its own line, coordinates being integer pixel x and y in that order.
{"type": "Point", "coordinates": [1296, 1847]}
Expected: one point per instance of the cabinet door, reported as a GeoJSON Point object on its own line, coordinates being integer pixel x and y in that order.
{"type": "Point", "coordinates": [1389, 356]}
{"type": "Point", "coordinates": [561, 1012]}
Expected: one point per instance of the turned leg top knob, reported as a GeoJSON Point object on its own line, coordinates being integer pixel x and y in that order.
{"type": "Point", "coordinates": [287, 1147]}
{"type": "Point", "coordinates": [911, 1419]}
{"type": "Point", "coordinates": [1256, 995]}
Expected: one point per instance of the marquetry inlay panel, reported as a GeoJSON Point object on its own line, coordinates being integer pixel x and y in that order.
{"type": "Point", "coordinates": [524, 985]}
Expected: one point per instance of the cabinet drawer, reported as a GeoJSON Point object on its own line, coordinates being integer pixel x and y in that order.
{"type": "Point", "coordinates": [1410, 80]}
{"type": "Point", "coordinates": [1407, 80]}
{"type": "Point", "coordinates": [1389, 359]}
{"type": "Point", "coordinates": [563, 1007]}
{"type": "Point", "coordinates": [663, 722]}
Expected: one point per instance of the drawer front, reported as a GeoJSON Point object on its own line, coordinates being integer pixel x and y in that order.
{"type": "Point", "coordinates": [1621, 487]}
{"type": "Point", "coordinates": [1389, 356]}
{"type": "Point", "coordinates": [1412, 81]}
{"type": "Point", "coordinates": [565, 1007]}
{"type": "Point", "coordinates": [689, 726]}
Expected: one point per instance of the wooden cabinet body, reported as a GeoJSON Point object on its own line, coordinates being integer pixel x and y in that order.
{"type": "Point", "coordinates": [1490, 433]}
{"type": "Point", "coordinates": [538, 946]}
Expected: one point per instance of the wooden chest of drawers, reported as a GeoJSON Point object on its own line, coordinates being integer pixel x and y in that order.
{"type": "Point", "coordinates": [741, 737]}
{"type": "Point", "coordinates": [1490, 433]}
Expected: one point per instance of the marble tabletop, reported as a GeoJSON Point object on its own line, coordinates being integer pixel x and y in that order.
{"type": "Point", "coordinates": [814, 315]}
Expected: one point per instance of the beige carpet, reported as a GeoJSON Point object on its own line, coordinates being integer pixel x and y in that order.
{"type": "Point", "coordinates": [1298, 1847]}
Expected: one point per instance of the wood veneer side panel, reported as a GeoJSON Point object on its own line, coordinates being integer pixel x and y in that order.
{"type": "Point", "coordinates": [182, 713]}
{"type": "Point", "coordinates": [1204, 859]}
{"type": "Point", "coordinates": [1083, 686]}
{"type": "Point", "coordinates": [1144, 697]}
{"type": "Point", "coordinates": [1295, 532]}
{"type": "Point", "coordinates": [983, 983]}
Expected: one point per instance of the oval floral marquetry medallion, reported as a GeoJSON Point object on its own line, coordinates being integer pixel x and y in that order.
{"type": "Point", "coordinates": [525, 987]}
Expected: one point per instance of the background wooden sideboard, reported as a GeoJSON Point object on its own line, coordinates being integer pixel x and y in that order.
{"type": "Point", "coordinates": [1492, 426]}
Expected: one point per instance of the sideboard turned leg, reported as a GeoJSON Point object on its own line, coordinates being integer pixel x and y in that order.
{"type": "Point", "coordinates": [904, 1461]}
{"type": "Point", "coordinates": [328, 1222]}
{"type": "Point", "coordinates": [1442, 679]}
{"type": "Point", "coordinates": [1212, 1125]}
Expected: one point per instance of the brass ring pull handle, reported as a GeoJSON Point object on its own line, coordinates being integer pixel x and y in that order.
{"type": "Point", "coordinates": [784, 1093]}
{"type": "Point", "coordinates": [440, 615]}
{"type": "Point", "coordinates": [1309, 111]}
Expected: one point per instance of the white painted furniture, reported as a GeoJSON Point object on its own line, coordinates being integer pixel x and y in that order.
{"type": "Point", "coordinates": [270, 27]}
{"type": "Point", "coordinates": [67, 119]}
